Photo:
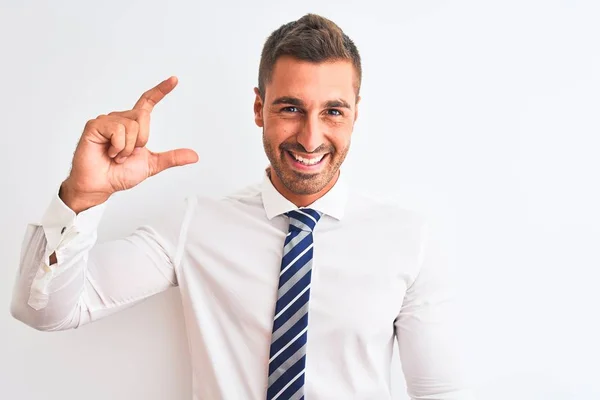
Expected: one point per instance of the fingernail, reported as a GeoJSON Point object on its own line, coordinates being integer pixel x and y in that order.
{"type": "Point", "coordinates": [120, 159]}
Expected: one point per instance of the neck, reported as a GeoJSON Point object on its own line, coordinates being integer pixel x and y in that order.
{"type": "Point", "coordinates": [300, 200]}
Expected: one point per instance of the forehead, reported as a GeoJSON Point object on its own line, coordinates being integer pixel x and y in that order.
{"type": "Point", "coordinates": [312, 81]}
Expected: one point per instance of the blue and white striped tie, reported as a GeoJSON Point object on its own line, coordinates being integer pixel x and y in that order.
{"type": "Point", "coordinates": [287, 358]}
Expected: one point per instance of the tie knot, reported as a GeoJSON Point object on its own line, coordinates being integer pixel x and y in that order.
{"type": "Point", "coordinates": [304, 218]}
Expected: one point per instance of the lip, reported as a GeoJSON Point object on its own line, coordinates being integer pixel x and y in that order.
{"type": "Point", "coordinates": [299, 166]}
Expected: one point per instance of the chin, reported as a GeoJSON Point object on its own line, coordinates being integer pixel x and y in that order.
{"type": "Point", "coordinates": [301, 178]}
{"type": "Point", "coordinates": [302, 183]}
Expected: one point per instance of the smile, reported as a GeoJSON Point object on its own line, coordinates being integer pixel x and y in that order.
{"type": "Point", "coordinates": [306, 162]}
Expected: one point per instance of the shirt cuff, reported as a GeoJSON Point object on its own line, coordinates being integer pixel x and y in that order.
{"type": "Point", "coordinates": [61, 224]}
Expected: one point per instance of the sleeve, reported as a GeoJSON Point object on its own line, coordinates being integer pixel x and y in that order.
{"type": "Point", "coordinates": [92, 280]}
{"type": "Point", "coordinates": [428, 330]}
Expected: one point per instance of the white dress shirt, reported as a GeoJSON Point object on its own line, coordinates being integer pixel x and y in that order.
{"type": "Point", "coordinates": [377, 277]}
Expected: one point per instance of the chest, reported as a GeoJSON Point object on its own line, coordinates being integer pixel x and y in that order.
{"type": "Point", "coordinates": [357, 284]}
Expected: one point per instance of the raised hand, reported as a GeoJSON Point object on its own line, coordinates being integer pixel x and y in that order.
{"type": "Point", "coordinates": [112, 156]}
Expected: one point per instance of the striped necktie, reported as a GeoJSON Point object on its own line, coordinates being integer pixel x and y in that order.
{"type": "Point", "coordinates": [287, 358]}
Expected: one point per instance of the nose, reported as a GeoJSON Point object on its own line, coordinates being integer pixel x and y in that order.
{"type": "Point", "coordinates": [311, 135]}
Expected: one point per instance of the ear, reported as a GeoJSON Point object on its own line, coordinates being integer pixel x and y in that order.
{"type": "Point", "coordinates": [356, 108]}
{"type": "Point", "coordinates": [258, 109]}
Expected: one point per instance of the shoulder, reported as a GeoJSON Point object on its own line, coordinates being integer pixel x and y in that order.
{"type": "Point", "coordinates": [244, 199]}
{"type": "Point", "coordinates": [385, 210]}
{"type": "Point", "coordinates": [173, 218]}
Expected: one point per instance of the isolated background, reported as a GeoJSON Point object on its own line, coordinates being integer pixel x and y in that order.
{"type": "Point", "coordinates": [485, 115]}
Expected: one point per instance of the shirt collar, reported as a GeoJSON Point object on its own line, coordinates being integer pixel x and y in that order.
{"type": "Point", "coordinates": [333, 203]}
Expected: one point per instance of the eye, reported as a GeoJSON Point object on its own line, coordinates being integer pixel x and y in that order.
{"type": "Point", "coordinates": [291, 109]}
{"type": "Point", "coordinates": [334, 112]}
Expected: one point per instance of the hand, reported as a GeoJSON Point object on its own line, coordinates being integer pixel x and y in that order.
{"type": "Point", "coordinates": [111, 155]}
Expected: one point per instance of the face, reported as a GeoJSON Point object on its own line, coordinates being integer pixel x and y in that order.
{"type": "Point", "coordinates": [307, 117]}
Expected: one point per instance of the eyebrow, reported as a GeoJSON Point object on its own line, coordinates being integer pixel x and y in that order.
{"type": "Point", "coordinates": [338, 103]}
{"type": "Point", "coordinates": [288, 100]}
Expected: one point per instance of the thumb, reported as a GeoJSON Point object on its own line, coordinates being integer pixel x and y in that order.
{"type": "Point", "coordinates": [173, 158]}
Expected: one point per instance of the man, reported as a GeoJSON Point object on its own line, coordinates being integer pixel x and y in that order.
{"type": "Point", "coordinates": [292, 288]}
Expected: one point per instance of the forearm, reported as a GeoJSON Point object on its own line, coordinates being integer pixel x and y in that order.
{"type": "Point", "coordinates": [49, 296]}
{"type": "Point", "coordinates": [88, 280]}
{"type": "Point", "coordinates": [51, 279]}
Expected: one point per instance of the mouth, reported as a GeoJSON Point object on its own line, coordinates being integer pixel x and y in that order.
{"type": "Point", "coordinates": [306, 163]}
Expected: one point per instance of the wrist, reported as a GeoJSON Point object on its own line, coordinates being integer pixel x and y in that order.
{"type": "Point", "coordinates": [77, 200]}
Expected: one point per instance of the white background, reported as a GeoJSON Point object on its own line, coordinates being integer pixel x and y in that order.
{"type": "Point", "coordinates": [483, 114]}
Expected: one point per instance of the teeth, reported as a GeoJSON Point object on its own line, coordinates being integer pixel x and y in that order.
{"type": "Point", "coordinates": [308, 161]}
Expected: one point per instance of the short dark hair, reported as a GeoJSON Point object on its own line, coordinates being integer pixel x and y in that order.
{"type": "Point", "coordinates": [310, 38]}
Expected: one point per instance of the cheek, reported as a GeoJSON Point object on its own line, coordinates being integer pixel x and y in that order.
{"type": "Point", "coordinates": [340, 138]}
{"type": "Point", "coordinates": [279, 130]}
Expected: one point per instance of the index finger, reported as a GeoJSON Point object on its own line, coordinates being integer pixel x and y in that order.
{"type": "Point", "coordinates": [151, 97]}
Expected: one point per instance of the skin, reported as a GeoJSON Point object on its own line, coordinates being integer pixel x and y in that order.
{"type": "Point", "coordinates": [112, 156]}
{"type": "Point", "coordinates": [309, 109]}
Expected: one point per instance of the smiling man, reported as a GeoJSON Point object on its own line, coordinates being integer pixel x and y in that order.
{"type": "Point", "coordinates": [295, 287]}
{"type": "Point", "coordinates": [307, 116]}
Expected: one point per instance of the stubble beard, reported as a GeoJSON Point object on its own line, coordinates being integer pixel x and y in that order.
{"type": "Point", "coordinates": [303, 183]}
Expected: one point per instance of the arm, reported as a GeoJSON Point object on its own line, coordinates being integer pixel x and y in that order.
{"type": "Point", "coordinates": [427, 330]}
{"type": "Point", "coordinates": [66, 279]}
